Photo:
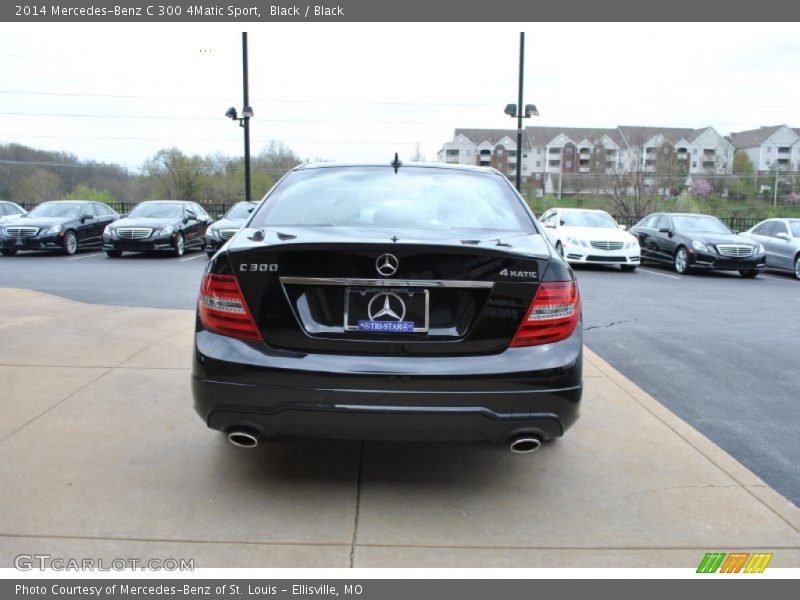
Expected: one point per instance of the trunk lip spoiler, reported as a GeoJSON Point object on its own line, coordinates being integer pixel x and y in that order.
{"type": "Point", "coordinates": [424, 283]}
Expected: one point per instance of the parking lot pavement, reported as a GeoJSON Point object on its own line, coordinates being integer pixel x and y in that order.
{"type": "Point", "coordinates": [101, 455]}
{"type": "Point", "coordinates": [137, 279]}
{"type": "Point", "coordinates": [718, 350]}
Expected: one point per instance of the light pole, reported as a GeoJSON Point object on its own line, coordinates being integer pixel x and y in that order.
{"type": "Point", "coordinates": [529, 111]}
{"type": "Point", "coordinates": [244, 120]}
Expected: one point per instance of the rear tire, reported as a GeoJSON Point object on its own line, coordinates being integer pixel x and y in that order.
{"type": "Point", "coordinates": [114, 253]}
{"type": "Point", "coordinates": [69, 245]}
{"type": "Point", "coordinates": [10, 252]}
{"type": "Point", "coordinates": [628, 268]}
{"type": "Point", "coordinates": [681, 261]}
{"type": "Point", "coordinates": [748, 273]}
{"type": "Point", "coordinates": [797, 266]}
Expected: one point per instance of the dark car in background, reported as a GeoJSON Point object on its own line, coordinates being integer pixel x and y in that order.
{"type": "Point", "coordinates": [158, 226]}
{"type": "Point", "coordinates": [227, 225]}
{"type": "Point", "coordinates": [65, 225]}
{"type": "Point", "coordinates": [693, 241]}
{"type": "Point", "coordinates": [10, 211]}
{"type": "Point", "coordinates": [781, 238]}
{"type": "Point", "coordinates": [417, 302]}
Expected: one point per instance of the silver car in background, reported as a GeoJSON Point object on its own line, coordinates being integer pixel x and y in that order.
{"type": "Point", "coordinates": [781, 238]}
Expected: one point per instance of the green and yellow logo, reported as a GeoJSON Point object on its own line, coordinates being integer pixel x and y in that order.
{"type": "Point", "coordinates": [735, 562]}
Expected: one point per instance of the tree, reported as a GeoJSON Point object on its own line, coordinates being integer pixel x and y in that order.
{"type": "Point", "coordinates": [742, 165]}
{"type": "Point", "coordinates": [418, 156]}
{"type": "Point", "coordinates": [38, 186]}
{"type": "Point", "coordinates": [701, 188]}
{"type": "Point", "coordinates": [84, 192]}
{"type": "Point", "coordinates": [174, 175]}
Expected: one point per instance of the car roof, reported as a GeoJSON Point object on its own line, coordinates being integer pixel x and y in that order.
{"type": "Point", "coordinates": [594, 210]}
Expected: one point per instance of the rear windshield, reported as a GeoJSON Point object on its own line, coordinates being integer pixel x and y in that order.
{"type": "Point", "coordinates": [377, 197]}
{"type": "Point", "coordinates": [157, 210]}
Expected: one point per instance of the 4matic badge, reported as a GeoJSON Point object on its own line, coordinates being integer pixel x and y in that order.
{"type": "Point", "coordinates": [517, 274]}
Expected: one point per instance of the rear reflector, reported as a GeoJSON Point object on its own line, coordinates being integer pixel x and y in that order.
{"type": "Point", "coordinates": [223, 309]}
{"type": "Point", "coordinates": [551, 317]}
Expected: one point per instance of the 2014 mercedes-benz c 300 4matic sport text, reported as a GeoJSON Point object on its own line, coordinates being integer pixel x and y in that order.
{"type": "Point", "coordinates": [395, 302]}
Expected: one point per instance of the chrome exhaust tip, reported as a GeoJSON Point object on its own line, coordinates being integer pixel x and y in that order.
{"type": "Point", "coordinates": [243, 439]}
{"type": "Point", "coordinates": [524, 444]}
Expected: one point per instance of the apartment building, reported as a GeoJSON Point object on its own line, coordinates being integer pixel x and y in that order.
{"type": "Point", "coordinates": [550, 153]}
{"type": "Point", "coordinates": [769, 146]}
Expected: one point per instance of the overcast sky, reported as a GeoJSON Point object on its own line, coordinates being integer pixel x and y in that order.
{"type": "Point", "coordinates": [112, 92]}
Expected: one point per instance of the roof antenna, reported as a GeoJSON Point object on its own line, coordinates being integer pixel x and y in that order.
{"type": "Point", "coordinates": [396, 163]}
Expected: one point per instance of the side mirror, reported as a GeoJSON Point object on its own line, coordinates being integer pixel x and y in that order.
{"type": "Point", "coordinates": [782, 235]}
{"type": "Point", "coordinates": [666, 230]}
{"type": "Point", "coordinates": [623, 227]}
{"type": "Point", "coordinates": [86, 217]}
{"type": "Point", "coordinates": [550, 225]}
{"type": "Point", "coordinates": [251, 209]}
{"type": "Point", "coordinates": [220, 215]}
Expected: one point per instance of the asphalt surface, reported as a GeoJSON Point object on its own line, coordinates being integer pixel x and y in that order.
{"type": "Point", "coordinates": [720, 351]}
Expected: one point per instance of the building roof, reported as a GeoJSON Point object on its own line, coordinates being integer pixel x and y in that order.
{"type": "Point", "coordinates": [476, 136]}
{"type": "Point", "coordinates": [541, 136]}
{"type": "Point", "coordinates": [636, 135]}
{"type": "Point", "coordinates": [754, 137]}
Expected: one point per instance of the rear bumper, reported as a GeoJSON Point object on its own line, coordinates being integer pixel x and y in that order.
{"type": "Point", "coordinates": [534, 390]}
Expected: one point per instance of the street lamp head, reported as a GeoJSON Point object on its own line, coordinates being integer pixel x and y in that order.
{"type": "Point", "coordinates": [247, 112]}
{"type": "Point", "coordinates": [231, 113]}
{"type": "Point", "coordinates": [511, 110]}
{"type": "Point", "coordinates": [530, 111]}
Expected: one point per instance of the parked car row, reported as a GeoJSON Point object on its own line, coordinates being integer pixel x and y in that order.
{"type": "Point", "coordinates": [66, 226]}
{"type": "Point", "coordinates": [685, 241]}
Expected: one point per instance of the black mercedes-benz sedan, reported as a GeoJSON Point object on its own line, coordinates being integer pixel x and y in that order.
{"type": "Point", "coordinates": [692, 241]}
{"type": "Point", "coordinates": [228, 225]}
{"type": "Point", "coordinates": [62, 225]}
{"type": "Point", "coordinates": [403, 302]}
{"type": "Point", "coordinates": [158, 225]}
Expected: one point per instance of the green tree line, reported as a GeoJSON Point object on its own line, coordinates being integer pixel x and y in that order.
{"type": "Point", "coordinates": [29, 175]}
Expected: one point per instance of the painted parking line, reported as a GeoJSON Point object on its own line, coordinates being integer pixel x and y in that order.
{"type": "Point", "coordinates": [659, 274]}
{"type": "Point", "coordinates": [82, 256]}
{"type": "Point", "coordinates": [196, 256]}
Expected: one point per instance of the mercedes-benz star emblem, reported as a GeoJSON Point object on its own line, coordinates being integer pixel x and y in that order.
{"type": "Point", "coordinates": [386, 304]}
{"type": "Point", "coordinates": [387, 264]}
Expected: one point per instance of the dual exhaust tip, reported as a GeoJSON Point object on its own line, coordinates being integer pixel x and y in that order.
{"type": "Point", "coordinates": [521, 444]}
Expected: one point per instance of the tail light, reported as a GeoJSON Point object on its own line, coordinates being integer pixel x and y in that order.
{"type": "Point", "coordinates": [551, 317]}
{"type": "Point", "coordinates": [223, 309]}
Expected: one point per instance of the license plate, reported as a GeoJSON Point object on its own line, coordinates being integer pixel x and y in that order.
{"type": "Point", "coordinates": [19, 242]}
{"type": "Point", "coordinates": [386, 310]}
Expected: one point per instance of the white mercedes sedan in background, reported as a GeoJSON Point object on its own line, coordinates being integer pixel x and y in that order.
{"type": "Point", "coordinates": [584, 236]}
